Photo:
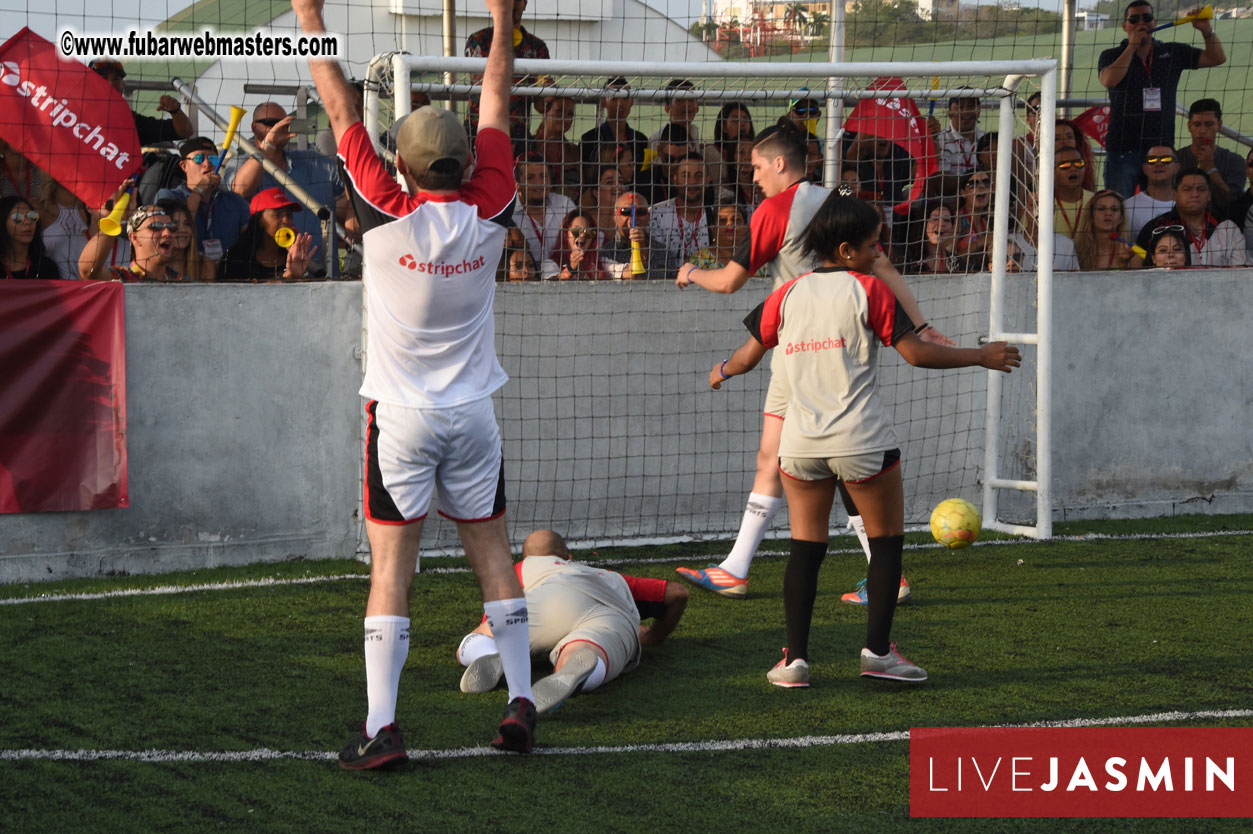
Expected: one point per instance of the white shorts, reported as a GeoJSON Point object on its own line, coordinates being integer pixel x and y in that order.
{"type": "Point", "coordinates": [851, 469]}
{"type": "Point", "coordinates": [410, 450]}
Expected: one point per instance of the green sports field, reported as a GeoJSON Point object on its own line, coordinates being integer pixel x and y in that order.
{"type": "Point", "coordinates": [188, 689]}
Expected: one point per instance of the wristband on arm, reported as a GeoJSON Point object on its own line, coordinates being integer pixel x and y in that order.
{"type": "Point", "coordinates": [722, 369]}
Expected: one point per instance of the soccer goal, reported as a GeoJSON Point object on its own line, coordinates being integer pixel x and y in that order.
{"type": "Point", "coordinates": [612, 434]}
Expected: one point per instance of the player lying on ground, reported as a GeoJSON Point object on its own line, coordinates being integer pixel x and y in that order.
{"type": "Point", "coordinates": [432, 371]}
{"type": "Point", "coordinates": [827, 323]}
{"type": "Point", "coordinates": [775, 244]}
{"type": "Point", "coordinates": [587, 620]}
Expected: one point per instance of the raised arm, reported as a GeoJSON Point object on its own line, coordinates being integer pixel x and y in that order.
{"type": "Point", "coordinates": [338, 98]}
{"type": "Point", "coordinates": [498, 76]}
{"type": "Point", "coordinates": [1113, 74]}
{"type": "Point", "coordinates": [1213, 55]}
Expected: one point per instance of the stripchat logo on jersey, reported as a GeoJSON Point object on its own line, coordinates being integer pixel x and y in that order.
{"type": "Point", "coordinates": [816, 345]}
{"type": "Point", "coordinates": [441, 268]}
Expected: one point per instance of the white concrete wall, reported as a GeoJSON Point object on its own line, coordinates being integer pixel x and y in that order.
{"type": "Point", "coordinates": [244, 428]}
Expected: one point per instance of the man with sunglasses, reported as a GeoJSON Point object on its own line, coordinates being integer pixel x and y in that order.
{"type": "Point", "coordinates": [315, 173]}
{"type": "Point", "coordinates": [1213, 242]}
{"type": "Point", "coordinates": [220, 214]}
{"type": "Point", "coordinates": [150, 130]}
{"type": "Point", "coordinates": [1158, 195]}
{"type": "Point", "coordinates": [1142, 75]}
{"type": "Point", "coordinates": [659, 262]}
{"type": "Point", "coordinates": [151, 234]}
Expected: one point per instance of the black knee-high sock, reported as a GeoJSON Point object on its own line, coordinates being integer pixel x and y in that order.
{"type": "Point", "coordinates": [882, 585]}
{"type": "Point", "coordinates": [800, 587]}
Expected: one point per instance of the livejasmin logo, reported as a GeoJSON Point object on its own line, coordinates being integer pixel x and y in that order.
{"type": "Point", "coordinates": [1080, 771]}
{"type": "Point", "coordinates": [1023, 771]}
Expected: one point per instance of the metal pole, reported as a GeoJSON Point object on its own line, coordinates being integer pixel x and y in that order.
{"type": "Point", "coordinates": [835, 104]}
{"type": "Point", "coordinates": [1068, 47]}
{"type": "Point", "coordinates": [450, 44]}
{"type": "Point", "coordinates": [1044, 319]}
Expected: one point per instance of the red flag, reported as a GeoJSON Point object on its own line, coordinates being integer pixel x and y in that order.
{"type": "Point", "coordinates": [62, 396]}
{"type": "Point", "coordinates": [897, 119]}
{"type": "Point", "coordinates": [66, 119]}
{"type": "Point", "coordinates": [1094, 122]}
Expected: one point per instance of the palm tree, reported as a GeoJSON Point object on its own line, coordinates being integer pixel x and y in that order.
{"type": "Point", "coordinates": [794, 15]}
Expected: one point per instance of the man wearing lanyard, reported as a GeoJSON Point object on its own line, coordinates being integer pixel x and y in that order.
{"type": "Point", "coordinates": [679, 224]}
{"type": "Point", "coordinates": [1142, 75]}
{"type": "Point", "coordinates": [539, 210]}
{"type": "Point", "coordinates": [220, 214]}
{"type": "Point", "coordinates": [1214, 243]}
{"type": "Point", "coordinates": [957, 143]}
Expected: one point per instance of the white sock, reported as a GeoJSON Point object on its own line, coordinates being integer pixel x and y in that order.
{"type": "Point", "coordinates": [474, 645]}
{"type": "Point", "coordinates": [510, 627]}
{"type": "Point", "coordinates": [757, 516]}
{"type": "Point", "coordinates": [859, 527]}
{"type": "Point", "coordinates": [386, 647]}
{"type": "Point", "coordinates": [597, 677]}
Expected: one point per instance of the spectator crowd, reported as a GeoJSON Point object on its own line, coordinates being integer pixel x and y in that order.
{"type": "Point", "coordinates": [617, 203]}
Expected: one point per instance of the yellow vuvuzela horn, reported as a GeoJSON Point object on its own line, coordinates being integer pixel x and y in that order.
{"type": "Point", "coordinates": [1206, 13]}
{"type": "Point", "coordinates": [285, 236]}
{"type": "Point", "coordinates": [237, 115]}
{"type": "Point", "coordinates": [112, 225]}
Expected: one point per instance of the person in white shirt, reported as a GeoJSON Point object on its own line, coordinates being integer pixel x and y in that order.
{"type": "Point", "coordinates": [679, 224]}
{"type": "Point", "coordinates": [1158, 196]}
{"type": "Point", "coordinates": [956, 144]}
{"type": "Point", "coordinates": [1214, 242]}
{"type": "Point", "coordinates": [539, 210]}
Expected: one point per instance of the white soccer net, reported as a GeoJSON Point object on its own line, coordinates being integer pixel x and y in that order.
{"type": "Point", "coordinates": [611, 433]}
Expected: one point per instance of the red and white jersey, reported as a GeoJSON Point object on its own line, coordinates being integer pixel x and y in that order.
{"type": "Point", "coordinates": [430, 276]}
{"type": "Point", "coordinates": [827, 326]}
{"type": "Point", "coordinates": [777, 232]}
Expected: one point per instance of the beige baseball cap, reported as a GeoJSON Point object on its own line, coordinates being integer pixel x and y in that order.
{"type": "Point", "coordinates": [431, 134]}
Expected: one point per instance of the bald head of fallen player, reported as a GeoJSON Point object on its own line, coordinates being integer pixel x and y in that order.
{"type": "Point", "coordinates": [545, 543]}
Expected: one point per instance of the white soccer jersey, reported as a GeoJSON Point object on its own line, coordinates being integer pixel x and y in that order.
{"type": "Point", "coordinates": [430, 277]}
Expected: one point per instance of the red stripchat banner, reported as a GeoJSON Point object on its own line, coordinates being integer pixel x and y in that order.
{"type": "Point", "coordinates": [1081, 772]}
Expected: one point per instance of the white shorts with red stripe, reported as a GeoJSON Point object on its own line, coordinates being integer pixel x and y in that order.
{"type": "Point", "coordinates": [411, 451]}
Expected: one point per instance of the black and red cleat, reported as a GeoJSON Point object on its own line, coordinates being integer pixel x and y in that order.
{"type": "Point", "coordinates": [517, 728]}
{"type": "Point", "coordinates": [387, 748]}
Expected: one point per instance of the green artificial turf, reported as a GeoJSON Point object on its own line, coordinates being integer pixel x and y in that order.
{"type": "Point", "coordinates": [1086, 628]}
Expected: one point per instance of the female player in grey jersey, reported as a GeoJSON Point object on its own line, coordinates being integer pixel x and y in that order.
{"type": "Point", "coordinates": [828, 325]}
{"type": "Point", "coordinates": [776, 244]}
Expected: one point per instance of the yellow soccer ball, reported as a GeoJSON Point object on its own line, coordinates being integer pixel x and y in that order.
{"type": "Point", "coordinates": [955, 523]}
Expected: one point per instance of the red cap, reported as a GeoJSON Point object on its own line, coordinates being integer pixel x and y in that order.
{"type": "Point", "coordinates": [272, 198]}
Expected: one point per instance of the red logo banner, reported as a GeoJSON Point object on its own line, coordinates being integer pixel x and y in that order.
{"type": "Point", "coordinates": [1081, 771]}
{"type": "Point", "coordinates": [897, 119]}
{"type": "Point", "coordinates": [66, 119]}
{"type": "Point", "coordinates": [1094, 122]}
{"type": "Point", "coordinates": [62, 396]}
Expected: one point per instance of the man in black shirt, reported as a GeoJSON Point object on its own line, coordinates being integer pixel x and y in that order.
{"type": "Point", "coordinates": [150, 130]}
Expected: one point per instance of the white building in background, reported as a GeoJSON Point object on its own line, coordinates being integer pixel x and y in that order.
{"type": "Point", "coordinates": [1091, 20]}
{"type": "Point", "coordinates": [928, 9]}
{"type": "Point", "coordinates": [590, 30]}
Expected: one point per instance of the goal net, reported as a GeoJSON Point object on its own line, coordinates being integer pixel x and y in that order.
{"type": "Point", "coordinates": [611, 431]}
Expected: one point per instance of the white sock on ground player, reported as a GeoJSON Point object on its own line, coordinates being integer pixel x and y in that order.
{"type": "Point", "coordinates": [597, 677]}
{"type": "Point", "coordinates": [859, 527]}
{"type": "Point", "coordinates": [386, 647]}
{"type": "Point", "coordinates": [474, 645]}
{"type": "Point", "coordinates": [510, 625]}
{"type": "Point", "coordinates": [757, 517]}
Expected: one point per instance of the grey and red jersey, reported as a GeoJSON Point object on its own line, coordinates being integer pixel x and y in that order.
{"type": "Point", "coordinates": [430, 276]}
{"type": "Point", "coordinates": [827, 326]}
{"type": "Point", "coordinates": [777, 233]}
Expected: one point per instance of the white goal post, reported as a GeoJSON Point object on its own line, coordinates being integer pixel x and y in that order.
{"type": "Point", "coordinates": [1025, 469]}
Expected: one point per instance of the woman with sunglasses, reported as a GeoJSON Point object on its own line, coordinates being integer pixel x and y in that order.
{"type": "Point", "coordinates": [21, 247]}
{"type": "Point", "coordinates": [1069, 195]}
{"type": "Point", "coordinates": [150, 232]}
{"type": "Point", "coordinates": [1068, 135]}
{"type": "Point", "coordinates": [1101, 239]}
{"type": "Point", "coordinates": [1168, 249]}
{"type": "Point", "coordinates": [973, 224]}
{"type": "Point", "coordinates": [577, 257]}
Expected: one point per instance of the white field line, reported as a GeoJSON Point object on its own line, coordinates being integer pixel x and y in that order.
{"type": "Point", "coordinates": [732, 745]}
{"type": "Point", "coordinates": [461, 568]}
